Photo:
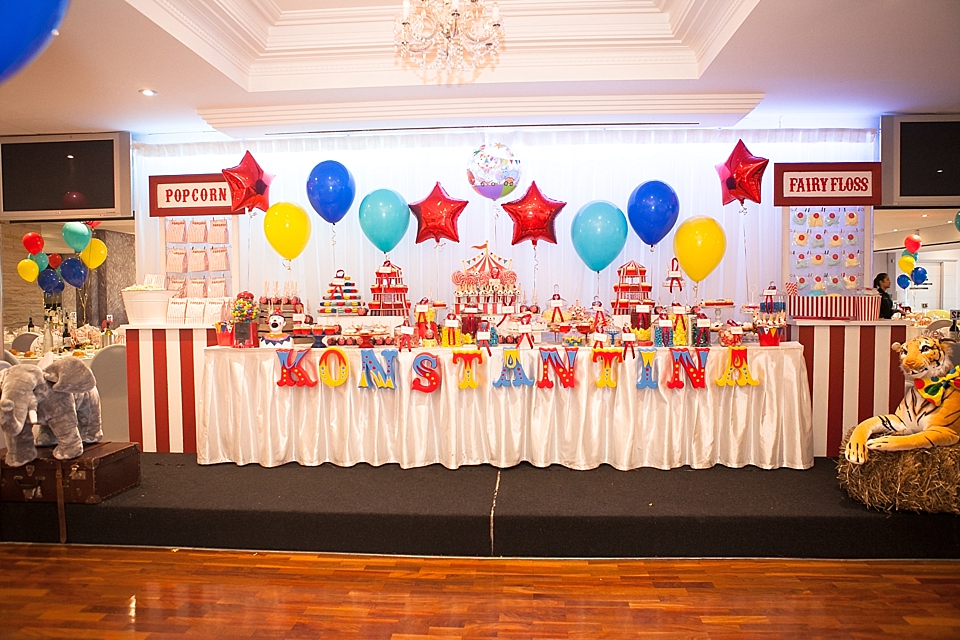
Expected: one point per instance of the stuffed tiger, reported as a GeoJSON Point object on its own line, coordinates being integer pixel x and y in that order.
{"type": "Point", "coordinates": [928, 416]}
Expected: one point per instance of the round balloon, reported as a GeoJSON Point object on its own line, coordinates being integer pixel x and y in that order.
{"type": "Point", "coordinates": [331, 190]}
{"type": "Point", "coordinates": [54, 260]}
{"type": "Point", "coordinates": [77, 235]}
{"type": "Point", "coordinates": [906, 264]}
{"type": "Point", "coordinates": [653, 208]}
{"type": "Point", "coordinates": [956, 221]}
{"type": "Point", "coordinates": [493, 171]}
{"type": "Point", "coordinates": [28, 269]}
{"type": "Point", "coordinates": [910, 253]}
{"type": "Point", "coordinates": [913, 242]}
{"type": "Point", "coordinates": [27, 29]}
{"type": "Point", "coordinates": [384, 217]}
{"type": "Point", "coordinates": [598, 231]}
{"type": "Point", "coordinates": [33, 242]}
{"type": "Point", "coordinates": [42, 260]}
{"type": "Point", "coordinates": [699, 245]}
{"type": "Point", "coordinates": [287, 228]}
{"type": "Point", "coordinates": [48, 280]}
{"type": "Point", "coordinates": [94, 255]}
{"type": "Point", "coordinates": [918, 275]}
{"type": "Point", "coordinates": [74, 272]}
{"type": "Point", "coordinates": [903, 280]}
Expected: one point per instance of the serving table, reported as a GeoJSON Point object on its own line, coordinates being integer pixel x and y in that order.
{"type": "Point", "coordinates": [246, 418]}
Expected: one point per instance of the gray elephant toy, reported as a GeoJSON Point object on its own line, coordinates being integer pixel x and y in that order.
{"type": "Point", "coordinates": [56, 403]}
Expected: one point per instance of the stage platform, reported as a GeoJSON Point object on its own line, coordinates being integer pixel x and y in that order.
{"type": "Point", "coordinates": [484, 511]}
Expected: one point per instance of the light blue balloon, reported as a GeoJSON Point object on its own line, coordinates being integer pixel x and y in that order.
{"type": "Point", "coordinates": [599, 232]}
{"type": "Point", "coordinates": [77, 235]}
{"type": "Point", "coordinates": [42, 260]}
{"type": "Point", "coordinates": [384, 218]}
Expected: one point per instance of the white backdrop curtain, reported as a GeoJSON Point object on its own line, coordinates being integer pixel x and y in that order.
{"type": "Point", "coordinates": [572, 166]}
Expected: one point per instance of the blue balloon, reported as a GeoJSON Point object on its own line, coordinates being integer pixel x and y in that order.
{"type": "Point", "coordinates": [57, 288]}
{"type": "Point", "coordinates": [384, 217]}
{"type": "Point", "coordinates": [918, 275]}
{"type": "Point", "coordinates": [331, 190]}
{"type": "Point", "coordinates": [74, 272]}
{"type": "Point", "coordinates": [903, 281]}
{"type": "Point", "coordinates": [26, 28]}
{"type": "Point", "coordinates": [48, 280]}
{"type": "Point", "coordinates": [653, 208]}
{"type": "Point", "coordinates": [598, 231]}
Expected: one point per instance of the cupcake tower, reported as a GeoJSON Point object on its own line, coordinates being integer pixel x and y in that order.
{"type": "Point", "coordinates": [342, 297]}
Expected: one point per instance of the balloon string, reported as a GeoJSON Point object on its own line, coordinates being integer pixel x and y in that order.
{"type": "Point", "coordinates": [746, 266]}
{"type": "Point", "coordinates": [536, 271]}
{"type": "Point", "coordinates": [438, 248]}
{"type": "Point", "coordinates": [287, 265]}
{"type": "Point", "coordinates": [598, 285]}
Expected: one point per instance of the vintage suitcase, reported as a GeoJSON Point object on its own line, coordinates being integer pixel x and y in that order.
{"type": "Point", "coordinates": [103, 470]}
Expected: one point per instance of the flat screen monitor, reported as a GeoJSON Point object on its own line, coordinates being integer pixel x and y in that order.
{"type": "Point", "coordinates": [65, 177]}
{"type": "Point", "coordinates": [920, 156]}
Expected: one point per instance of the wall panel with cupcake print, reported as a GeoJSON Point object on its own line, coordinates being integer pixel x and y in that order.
{"type": "Point", "coordinates": [826, 250]}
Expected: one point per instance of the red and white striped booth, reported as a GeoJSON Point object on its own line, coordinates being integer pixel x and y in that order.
{"type": "Point", "coordinates": [164, 370]}
{"type": "Point", "coordinates": [852, 374]}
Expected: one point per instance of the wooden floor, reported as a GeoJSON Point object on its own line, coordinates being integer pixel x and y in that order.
{"type": "Point", "coordinates": [50, 591]}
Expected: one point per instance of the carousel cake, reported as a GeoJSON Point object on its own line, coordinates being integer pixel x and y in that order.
{"type": "Point", "coordinates": [486, 283]}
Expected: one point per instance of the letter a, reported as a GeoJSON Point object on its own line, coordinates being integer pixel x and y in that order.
{"type": "Point", "coordinates": [511, 362]}
{"type": "Point", "coordinates": [738, 371]}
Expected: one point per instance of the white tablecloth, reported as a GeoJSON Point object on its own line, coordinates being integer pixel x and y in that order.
{"type": "Point", "coordinates": [244, 417]}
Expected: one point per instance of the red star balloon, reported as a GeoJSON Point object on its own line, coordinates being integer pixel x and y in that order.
{"type": "Point", "coordinates": [741, 174]}
{"type": "Point", "coordinates": [249, 185]}
{"type": "Point", "coordinates": [534, 216]}
{"type": "Point", "coordinates": [437, 215]}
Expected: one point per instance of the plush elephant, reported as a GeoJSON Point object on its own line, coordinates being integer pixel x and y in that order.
{"type": "Point", "coordinates": [58, 399]}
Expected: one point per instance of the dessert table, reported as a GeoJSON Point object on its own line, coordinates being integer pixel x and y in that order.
{"type": "Point", "coordinates": [246, 418]}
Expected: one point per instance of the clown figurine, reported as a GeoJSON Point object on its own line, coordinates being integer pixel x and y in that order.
{"type": "Point", "coordinates": [276, 338]}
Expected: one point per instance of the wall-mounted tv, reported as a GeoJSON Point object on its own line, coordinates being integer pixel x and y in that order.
{"type": "Point", "coordinates": [920, 156]}
{"type": "Point", "coordinates": [83, 176]}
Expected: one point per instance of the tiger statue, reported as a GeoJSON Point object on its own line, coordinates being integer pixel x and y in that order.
{"type": "Point", "coordinates": [929, 415]}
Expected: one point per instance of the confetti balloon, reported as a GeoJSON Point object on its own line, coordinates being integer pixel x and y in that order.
{"type": "Point", "coordinates": [493, 171]}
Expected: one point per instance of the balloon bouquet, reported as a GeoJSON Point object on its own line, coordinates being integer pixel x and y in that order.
{"type": "Point", "coordinates": [912, 274]}
{"type": "Point", "coordinates": [50, 272]}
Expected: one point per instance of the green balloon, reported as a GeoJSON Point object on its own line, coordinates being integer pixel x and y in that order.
{"type": "Point", "coordinates": [956, 221]}
{"type": "Point", "coordinates": [77, 235]}
{"type": "Point", "coordinates": [384, 216]}
{"type": "Point", "coordinates": [41, 259]}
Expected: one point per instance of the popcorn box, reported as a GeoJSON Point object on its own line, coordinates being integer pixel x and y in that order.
{"type": "Point", "coordinates": [866, 308]}
{"type": "Point", "coordinates": [821, 307]}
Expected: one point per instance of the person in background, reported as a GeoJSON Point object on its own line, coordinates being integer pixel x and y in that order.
{"type": "Point", "coordinates": [882, 283]}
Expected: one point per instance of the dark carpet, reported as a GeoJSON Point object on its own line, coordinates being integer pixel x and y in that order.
{"type": "Point", "coordinates": [557, 512]}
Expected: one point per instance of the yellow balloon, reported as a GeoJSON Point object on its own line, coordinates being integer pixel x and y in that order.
{"type": "Point", "coordinates": [287, 228]}
{"type": "Point", "coordinates": [28, 269]}
{"type": "Point", "coordinates": [95, 253]}
{"type": "Point", "coordinates": [699, 245]}
{"type": "Point", "coordinates": [906, 264]}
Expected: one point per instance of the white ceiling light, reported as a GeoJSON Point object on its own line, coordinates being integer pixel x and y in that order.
{"type": "Point", "coordinates": [148, 92]}
{"type": "Point", "coordinates": [445, 35]}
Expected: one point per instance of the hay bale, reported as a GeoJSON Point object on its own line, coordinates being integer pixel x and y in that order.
{"type": "Point", "coordinates": [925, 480]}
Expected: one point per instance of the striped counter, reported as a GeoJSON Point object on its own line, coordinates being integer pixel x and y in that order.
{"type": "Point", "coordinates": [852, 373]}
{"type": "Point", "coordinates": [164, 370]}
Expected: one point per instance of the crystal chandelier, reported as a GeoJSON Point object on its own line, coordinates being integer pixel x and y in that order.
{"type": "Point", "coordinates": [448, 35]}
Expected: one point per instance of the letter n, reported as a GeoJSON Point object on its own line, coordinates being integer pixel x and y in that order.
{"type": "Point", "coordinates": [566, 372]}
{"type": "Point", "coordinates": [372, 373]}
{"type": "Point", "coordinates": [696, 372]}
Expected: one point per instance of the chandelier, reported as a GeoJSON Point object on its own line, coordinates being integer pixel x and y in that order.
{"type": "Point", "coordinates": [448, 35]}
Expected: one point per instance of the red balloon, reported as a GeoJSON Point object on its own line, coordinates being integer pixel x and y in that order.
{"type": "Point", "coordinates": [249, 185]}
{"type": "Point", "coordinates": [73, 200]}
{"type": "Point", "coordinates": [54, 259]}
{"type": "Point", "coordinates": [741, 174]}
{"type": "Point", "coordinates": [33, 243]}
{"type": "Point", "coordinates": [437, 215]}
{"type": "Point", "coordinates": [534, 216]}
{"type": "Point", "coordinates": [912, 243]}
{"type": "Point", "coordinates": [93, 224]}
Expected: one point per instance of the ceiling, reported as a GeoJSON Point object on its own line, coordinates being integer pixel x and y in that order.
{"type": "Point", "coordinates": [246, 68]}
